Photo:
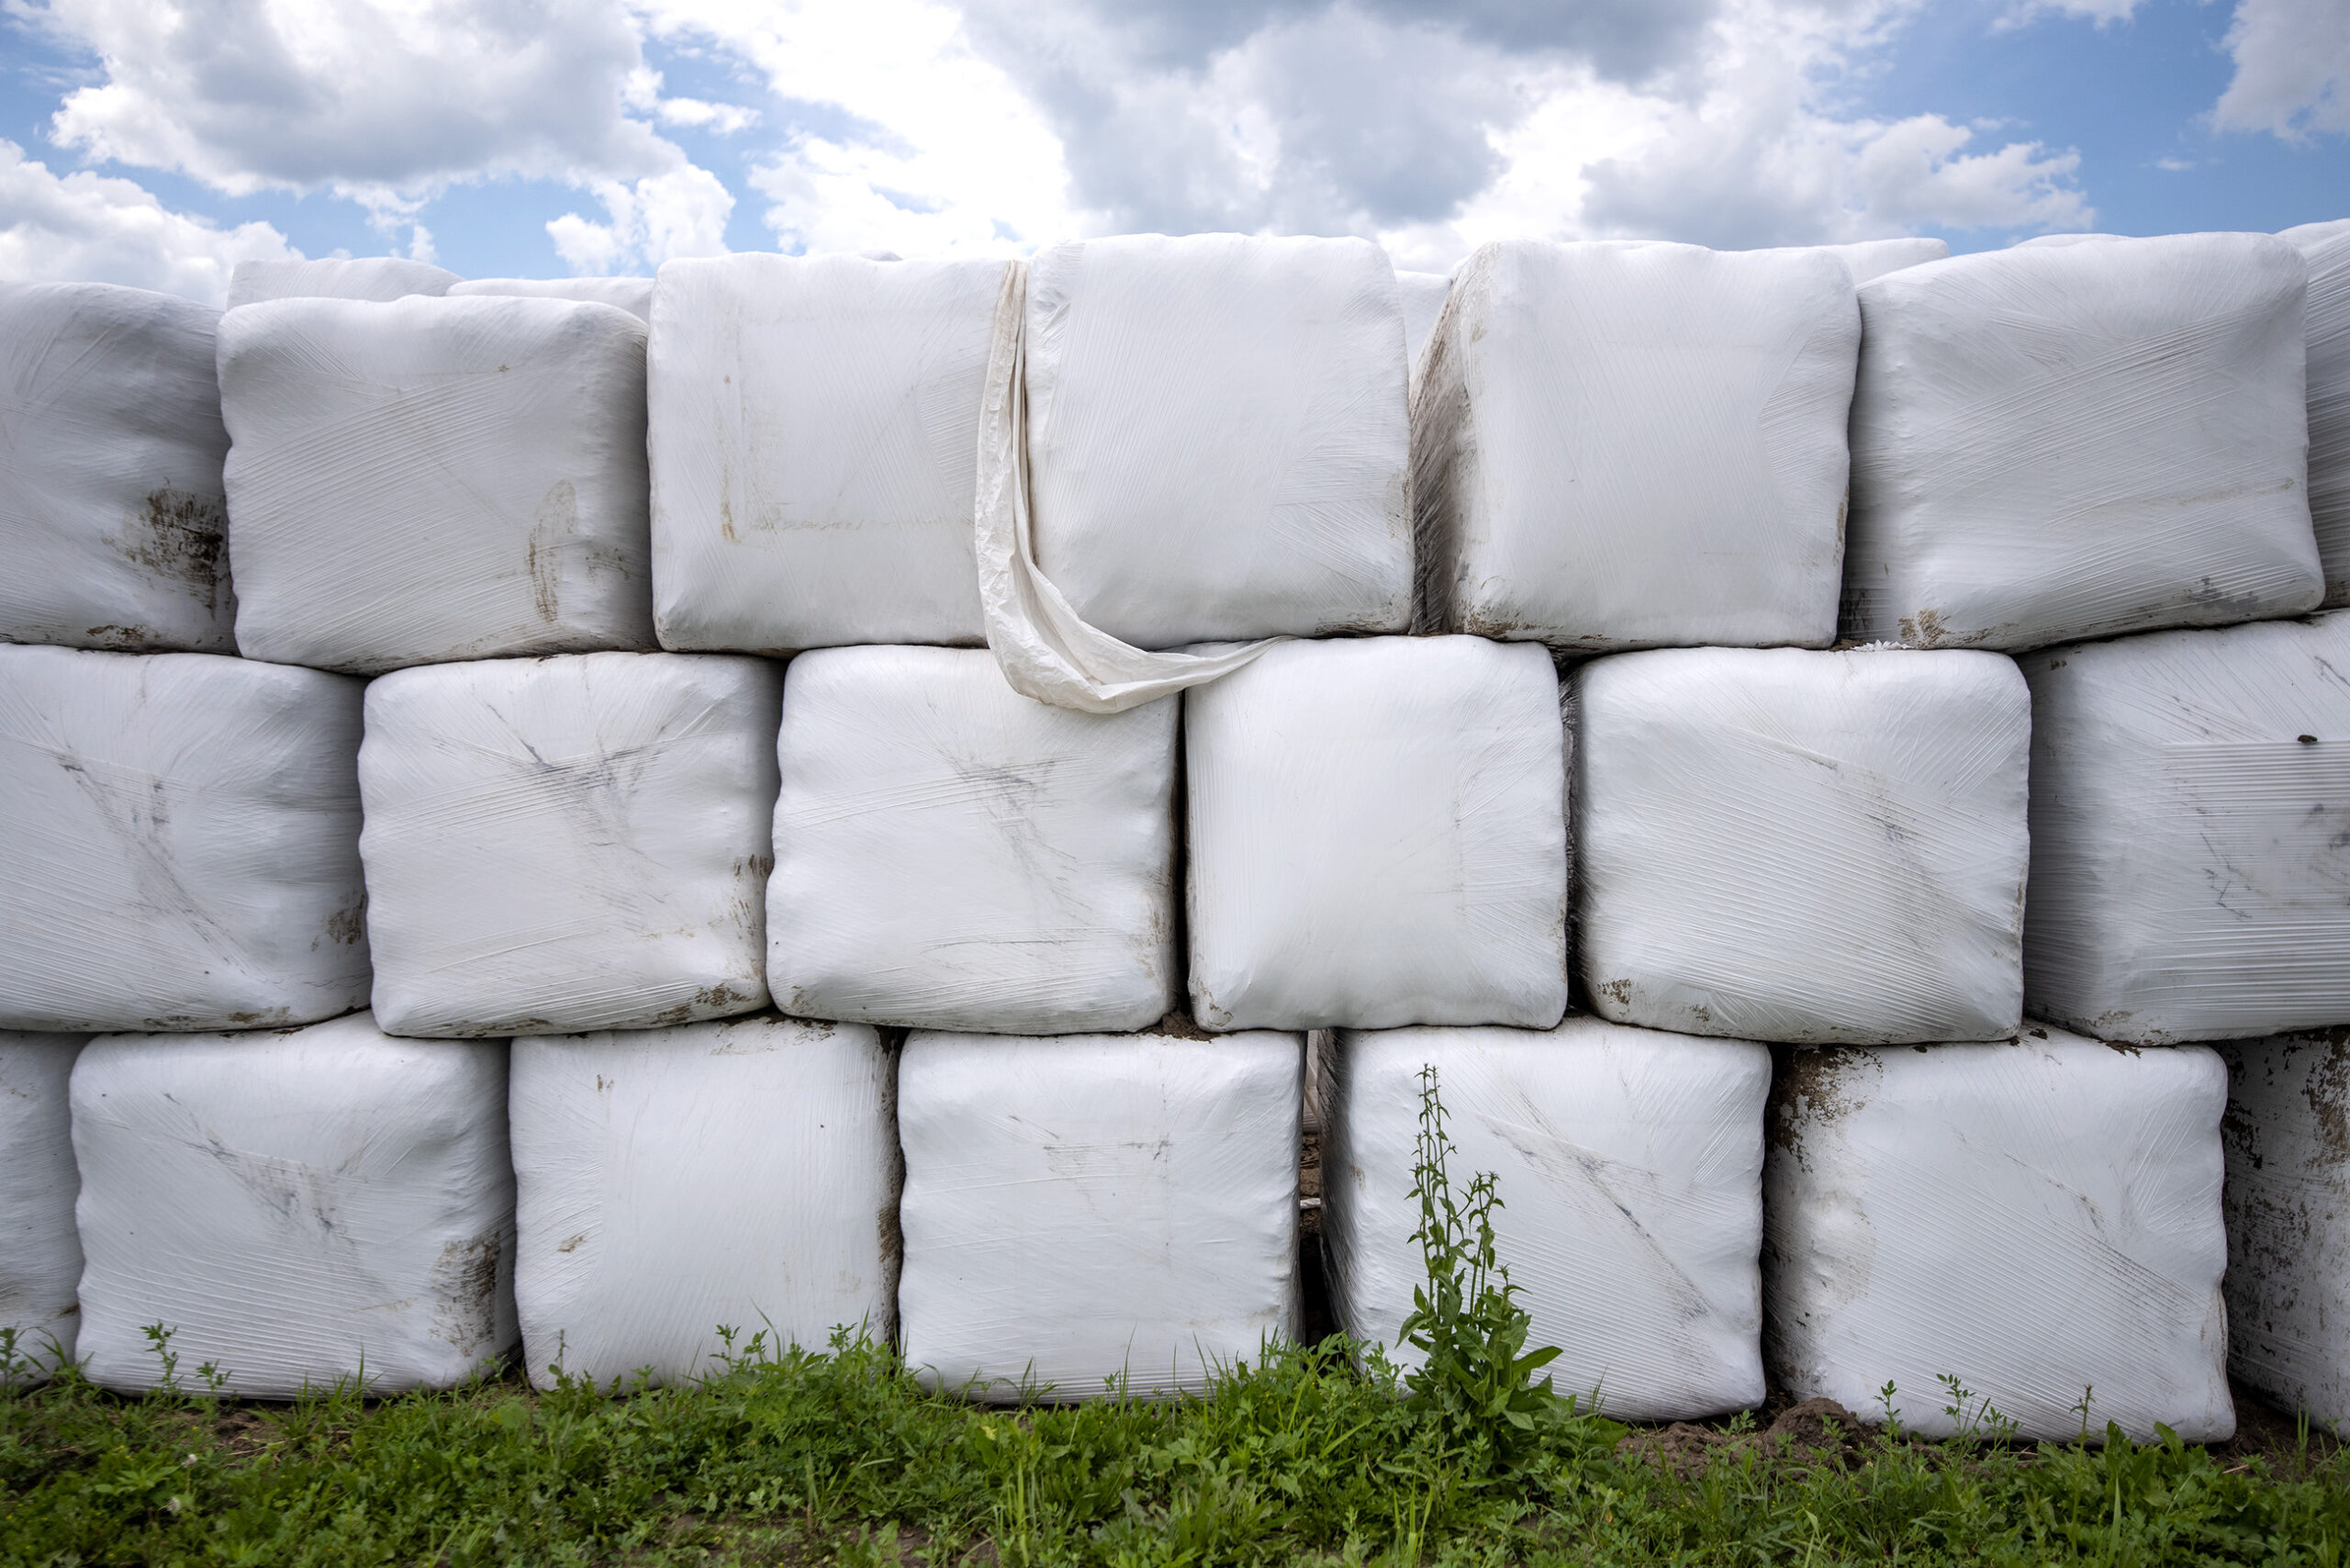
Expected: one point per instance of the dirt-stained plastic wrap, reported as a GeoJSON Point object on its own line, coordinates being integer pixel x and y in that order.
{"type": "Point", "coordinates": [435, 479]}
{"type": "Point", "coordinates": [556, 846]}
{"type": "Point", "coordinates": [298, 1208]}
{"type": "Point", "coordinates": [2190, 832]}
{"type": "Point", "coordinates": [670, 1181]}
{"type": "Point", "coordinates": [112, 521]}
{"type": "Point", "coordinates": [40, 1256]}
{"type": "Point", "coordinates": [1217, 436]}
{"type": "Point", "coordinates": [1422, 294]}
{"type": "Point", "coordinates": [366, 277]}
{"type": "Point", "coordinates": [1096, 1207]}
{"type": "Point", "coordinates": [1629, 1167]}
{"type": "Point", "coordinates": [633, 295]}
{"type": "Point", "coordinates": [815, 432]}
{"type": "Point", "coordinates": [2036, 1219]}
{"type": "Point", "coordinates": [1378, 837]}
{"type": "Point", "coordinates": [1635, 445]}
{"type": "Point", "coordinates": [2059, 441]}
{"type": "Point", "coordinates": [2288, 1138]}
{"type": "Point", "coordinates": [2326, 248]}
{"type": "Point", "coordinates": [950, 855]}
{"type": "Point", "coordinates": [1799, 846]}
{"type": "Point", "coordinates": [180, 843]}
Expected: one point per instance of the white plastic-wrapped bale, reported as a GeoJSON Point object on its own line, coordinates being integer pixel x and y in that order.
{"type": "Point", "coordinates": [1096, 1207]}
{"type": "Point", "coordinates": [1630, 1180]}
{"type": "Point", "coordinates": [2326, 248]}
{"type": "Point", "coordinates": [1635, 445]}
{"type": "Point", "coordinates": [1422, 296]}
{"type": "Point", "coordinates": [366, 277]}
{"type": "Point", "coordinates": [1378, 837]}
{"type": "Point", "coordinates": [2288, 1138]}
{"type": "Point", "coordinates": [950, 855]}
{"type": "Point", "coordinates": [183, 843]}
{"type": "Point", "coordinates": [672, 1181]}
{"type": "Point", "coordinates": [1809, 847]}
{"type": "Point", "coordinates": [40, 1255]}
{"type": "Point", "coordinates": [2053, 442]}
{"type": "Point", "coordinates": [2190, 832]}
{"type": "Point", "coordinates": [633, 295]}
{"type": "Point", "coordinates": [112, 519]}
{"type": "Point", "coordinates": [1865, 259]}
{"type": "Point", "coordinates": [1217, 436]}
{"type": "Point", "coordinates": [299, 1208]}
{"type": "Point", "coordinates": [2039, 1219]}
{"type": "Point", "coordinates": [436, 479]}
{"type": "Point", "coordinates": [815, 447]}
{"type": "Point", "coordinates": [555, 845]}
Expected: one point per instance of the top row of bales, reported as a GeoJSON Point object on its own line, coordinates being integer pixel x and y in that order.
{"type": "Point", "coordinates": [1607, 446]}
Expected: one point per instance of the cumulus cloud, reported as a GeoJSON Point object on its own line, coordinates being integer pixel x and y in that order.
{"type": "Point", "coordinates": [682, 213]}
{"type": "Point", "coordinates": [87, 227]}
{"type": "Point", "coordinates": [2292, 75]}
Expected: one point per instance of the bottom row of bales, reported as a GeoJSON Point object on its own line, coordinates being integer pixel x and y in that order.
{"type": "Point", "coordinates": [1687, 1219]}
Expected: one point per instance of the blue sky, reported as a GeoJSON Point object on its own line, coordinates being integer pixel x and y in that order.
{"type": "Point", "coordinates": [157, 141]}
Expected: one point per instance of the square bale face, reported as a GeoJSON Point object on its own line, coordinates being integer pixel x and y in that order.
{"type": "Point", "coordinates": [1096, 1207]}
{"type": "Point", "coordinates": [1217, 436]}
{"type": "Point", "coordinates": [112, 518]}
{"type": "Point", "coordinates": [1803, 847]}
{"type": "Point", "coordinates": [1631, 1177]}
{"type": "Point", "coordinates": [2035, 1218]}
{"type": "Point", "coordinates": [2326, 248]}
{"type": "Point", "coordinates": [2190, 832]}
{"type": "Point", "coordinates": [41, 1268]}
{"type": "Point", "coordinates": [1637, 446]}
{"type": "Point", "coordinates": [1378, 837]}
{"type": "Point", "coordinates": [670, 1181]}
{"type": "Point", "coordinates": [433, 479]}
{"type": "Point", "coordinates": [815, 449]}
{"type": "Point", "coordinates": [183, 850]}
{"type": "Point", "coordinates": [299, 1207]}
{"type": "Point", "coordinates": [2053, 442]}
{"type": "Point", "coordinates": [951, 855]}
{"type": "Point", "coordinates": [555, 845]}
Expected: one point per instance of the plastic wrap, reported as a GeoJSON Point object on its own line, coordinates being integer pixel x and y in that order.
{"type": "Point", "coordinates": [633, 295]}
{"type": "Point", "coordinates": [1799, 846]}
{"type": "Point", "coordinates": [182, 843]}
{"type": "Point", "coordinates": [2037, 1219]}
{"type": "Point", "coordinates": [1096, 1206]}
{"type": "Point", "coordinates": [1219, 437]}
{"type": "Point", "coordinates": [299, 1207]}
{"type": "Point", "coordinates": [1422, 297]}
{"type": "Point", "coordinates": [673, 1181]}
{"type": "Point", "coordinates": [2052, 443]}
{"type": "Point", "coordinates": [111, 517]}
{"type": "Point", "coordinates": [2190, 837]}
{"type": "Point", "coordinates": [815, 425]}
{"type": "Point", "coordinates": [436, 479]}
{"type": "Point", "coordinates": [952, 855]}
{"type": "Point", "coordinates": [2288, 1138]}
{"type": "Point", "coordinates": [40, 1256]}
{"type": "Point", "coordinates": [1635, 445]}
{"type": "Point", "coordinates": [555, 845]}
{"type": "Point", "coordinates": [367, 277]}
{"type": "Point", "coordinates": [1629, 1168]}
{"type": "Point", "coordinates": [2326, 248]}
{"type": "Point", "coordinates": [1378, 837]}
{"type": "Point", "coordinates": [1865, 259]}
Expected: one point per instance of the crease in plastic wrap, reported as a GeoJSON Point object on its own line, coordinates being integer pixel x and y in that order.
{"type": "Point", "coordinates": [633, 295]}
{"type": "Point", "coordinates": [436, 479]}
{"type": "Point", "coordinates": [379, 278]}
{"type": "Point", "coordinates": [2326, 248]}
{"type": "Point", "coordinates": [1807, 847]}
{"type": "Point", "coordinates": [182, 849]}
{"type": "Point", "coordinates": [815, 420]}
{"type": "Point", "coordinates": [40, 1253]}
{"type": "Point", "coordinates": [671, 1181]}
{"type": "Point", "coordinates": [2190, 832]}
{"type": "Point", "coordinates": [1635, 445]}
{"type": "Point", "coordinates": [2288, 1138]}
{"type": "Point", "coordinates": [1865, 259]}
{"type": "Point", "coordinates": [112, 518]}
{"type": "Point", "coordinates": [2056, 442]}
{"type": "Point", "coordinates": [1422, 297]}
{"type": "Point", "coordinates": [564, 845]}
{"type": "Point", "coordinates": [299, 1207]}
{"type": "Point", "coordinates": [1629, 1167]}
{"type": "Point", "coordinates": [1096, 1207]}
{"type": "Point", "coordinates": [2038, 1220]}
{"type": "Point", "coordinates": [1377, 838]}
{"type": "Point", "coordinates": [950, 855]}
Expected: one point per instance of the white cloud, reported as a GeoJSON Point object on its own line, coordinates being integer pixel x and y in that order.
{"type": "Point", "coordinates": [2104, 13]}
{"type": "Point", "coordinates": [89, 226]}
{"type": "Point", "coordinates": [2293, 76]}
{"type": "Point", "coordinates": [682, 213]}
